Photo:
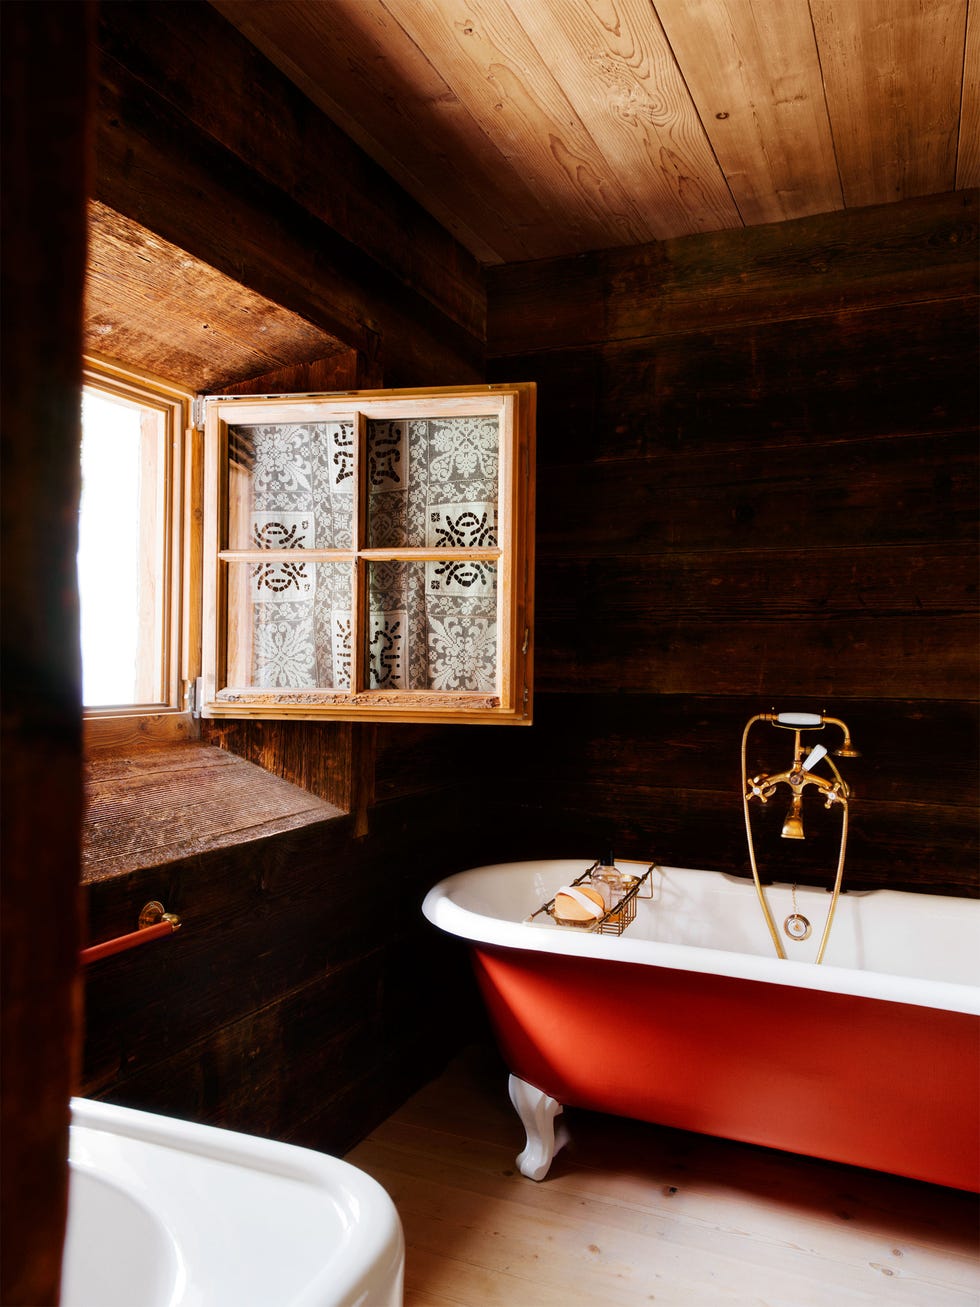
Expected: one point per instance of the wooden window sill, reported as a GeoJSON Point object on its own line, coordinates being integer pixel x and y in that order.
{"type": "Point", "coordinates": [152, 806]}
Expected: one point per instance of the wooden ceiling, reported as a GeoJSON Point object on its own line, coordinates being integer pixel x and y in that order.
{"type": "Point", "coordinates": [537, 128]}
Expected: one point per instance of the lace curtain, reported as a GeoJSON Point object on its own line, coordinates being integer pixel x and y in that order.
{"type": "Point", "coordinates": [432, 483]}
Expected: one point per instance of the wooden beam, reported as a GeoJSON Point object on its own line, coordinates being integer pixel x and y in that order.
{"type": "Point", "coordinates": [45, 153]}
{"type": "Point", "coordinates": [155, 167]}
{"type": "Point", "coordinates": [196, 61]}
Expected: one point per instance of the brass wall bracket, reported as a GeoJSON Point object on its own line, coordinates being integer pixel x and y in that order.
{"type": "Point", "coordinates": [153, 914]}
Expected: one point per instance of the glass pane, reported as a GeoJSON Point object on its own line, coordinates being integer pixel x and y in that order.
{"type": "Point", "coordinates": [433, 626]}
{"type": "Point", "coordinates": [122, 552]}
{"type": "Point", "coordinates": [433, 483]}
{"type": "Point", "coordinates": [291, 485]}
{"type": "Point", "coordinates": [289, 625]}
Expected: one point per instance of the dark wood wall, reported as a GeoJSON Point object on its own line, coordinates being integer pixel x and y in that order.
{"type": "Point", "coordinates": [757, 458]}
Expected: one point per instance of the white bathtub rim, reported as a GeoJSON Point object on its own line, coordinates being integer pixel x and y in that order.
{"type": "Point", "coordinates": [443, 912]}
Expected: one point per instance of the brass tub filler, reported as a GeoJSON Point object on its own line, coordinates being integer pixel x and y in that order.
{"type": "Point", "coordinates": [797, 777]}
{"type": "Point", "coordinates": [616, 917]}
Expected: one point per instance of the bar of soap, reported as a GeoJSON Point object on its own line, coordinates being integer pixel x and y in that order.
{"type": "Point", "coordinates": [570, 909]}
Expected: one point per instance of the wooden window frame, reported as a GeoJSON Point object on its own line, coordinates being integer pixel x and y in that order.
{"type": "Point", "coordinates": [175, 620]}
{"type": "Point", "coordinates": [511, 703]}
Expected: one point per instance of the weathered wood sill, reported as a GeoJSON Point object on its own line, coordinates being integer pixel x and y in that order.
{"type": "Point", "coordinates": [149, 807]}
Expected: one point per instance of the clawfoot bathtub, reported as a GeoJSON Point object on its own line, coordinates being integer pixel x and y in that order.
{"type": "Point", "coordinates": [689, 1020]}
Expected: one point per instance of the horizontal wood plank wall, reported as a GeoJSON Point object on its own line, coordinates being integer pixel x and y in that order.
{"type": "Point", "coordinates": [303, 998]}
{"type": "Point", "coordinates": [757, 488]}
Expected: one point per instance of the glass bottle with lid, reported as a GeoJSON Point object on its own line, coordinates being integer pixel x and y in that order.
{"type": "Point", "coordinates": [609, 881]}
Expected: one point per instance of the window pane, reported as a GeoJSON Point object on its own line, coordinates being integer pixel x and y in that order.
{"type": "Point", "coordinates": [433, 483]}
{"type": "Point", "coordinates": [289, 625]}
{"type": "Point", "coordinates": [122, 552]}
{"type": "Point", "coordinates": [291, 486]}
{"type": "Point", "coordinates": [433, 626]}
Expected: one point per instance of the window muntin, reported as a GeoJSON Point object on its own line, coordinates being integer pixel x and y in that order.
{"type": "Point", "coordinates": [390, 526]}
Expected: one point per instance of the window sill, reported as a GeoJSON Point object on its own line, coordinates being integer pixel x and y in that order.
{"type": "Point", "coordinates": [122, 730]}
{"type": "Point", "coordinates": [149, 806]}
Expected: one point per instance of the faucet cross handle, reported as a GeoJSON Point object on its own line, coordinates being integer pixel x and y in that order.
{"type": "Point", "coordinates": [837, 793]}
{"type": "Point", "coordinates": [760, 787]}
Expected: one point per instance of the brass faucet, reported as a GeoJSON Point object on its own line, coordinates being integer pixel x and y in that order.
{"type": "Point", "coordinates": [797, 777]}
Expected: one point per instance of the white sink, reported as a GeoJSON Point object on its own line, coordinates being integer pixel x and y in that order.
{"type": "Point", "coordinates": [165, 1213]}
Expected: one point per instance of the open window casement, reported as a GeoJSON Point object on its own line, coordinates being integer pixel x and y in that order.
{"type": "Point", "coordinates": [369, 555]}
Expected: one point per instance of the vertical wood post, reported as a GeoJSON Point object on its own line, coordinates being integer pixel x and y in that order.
{"type": "Point", "coordinates": [46, 79]}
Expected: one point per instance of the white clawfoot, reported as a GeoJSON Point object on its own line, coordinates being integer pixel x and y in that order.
{"type": "Point", "coordinates": [537, 1112]}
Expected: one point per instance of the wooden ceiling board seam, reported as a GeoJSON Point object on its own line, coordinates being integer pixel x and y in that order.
{"type": "Point", "coordinates": [520, 104]}
{"type": "Point", "coordinates": [826, 104]}
{"type": "Point", "coordinates": [968, 144]}
{"type": "Point", "coordinates": [888, 66]}
{"type": "Point", "coordinates": [753, 72]}
{"type": "Point", "coordinates": [616, 69]}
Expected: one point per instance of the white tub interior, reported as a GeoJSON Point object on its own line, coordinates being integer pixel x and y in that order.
{"type": "Point", "coordinates": [916, 948]}
{"type": "Point", "coordinates": [166, 1213]}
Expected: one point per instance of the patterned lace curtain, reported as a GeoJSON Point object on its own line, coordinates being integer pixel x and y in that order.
{"type": "Point", "coordinates": [432, 483]}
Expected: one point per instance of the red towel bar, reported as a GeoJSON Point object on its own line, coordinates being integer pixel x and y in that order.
{"type": "Point", "coordinates": [154, 923]}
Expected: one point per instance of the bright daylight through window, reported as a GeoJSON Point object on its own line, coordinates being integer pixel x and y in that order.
{"type": "Point", "coordinates": [128, 572]}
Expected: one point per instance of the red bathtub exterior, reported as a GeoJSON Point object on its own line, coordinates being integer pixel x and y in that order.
{"type": "Point", "coordinates": [888, 1086]}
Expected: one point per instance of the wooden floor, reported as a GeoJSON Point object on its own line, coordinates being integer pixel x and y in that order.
{"type": "Point", "coordinates": [633, 1214]}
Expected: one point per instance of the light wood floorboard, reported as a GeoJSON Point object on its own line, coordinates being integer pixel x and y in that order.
{"type": "Point", "coordinates": [634, 1214]}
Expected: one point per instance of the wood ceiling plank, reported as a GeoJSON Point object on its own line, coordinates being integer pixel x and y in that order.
{"type": "Point", "coordinates": [968, 156]}
{"type": "Point", "coordinates": [152, 306]}
{"type": "Point", "coordinates": [616, 68]}
{"type": "Point", "coordinates": [487, 58]}
{"type": "Point", "coordinates": [354, 61]}
{"type": "Point", "coordinates": [753, 72]}
{"type": "Point", "coordinates": [893, 72]}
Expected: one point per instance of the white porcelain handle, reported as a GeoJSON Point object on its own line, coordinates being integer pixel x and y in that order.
{"type": "Point", "coordinates": [799, 719]}
{"type": "Point", "coordinates": [816, 753]}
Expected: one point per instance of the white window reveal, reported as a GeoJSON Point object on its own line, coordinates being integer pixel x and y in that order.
{"type": "Point", "coordinates": [370, 555]}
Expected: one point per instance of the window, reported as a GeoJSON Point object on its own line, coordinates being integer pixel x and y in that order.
{"type": "Point", "coordinates": [364, 555]}
{"type": "Point", "coordinates": [131, 558]}
{"type": "Point", "coordinates": [369, 555]}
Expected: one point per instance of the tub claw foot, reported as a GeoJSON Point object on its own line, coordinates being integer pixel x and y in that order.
{"type": "Point", "coordinates": [537, 1112]}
